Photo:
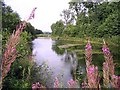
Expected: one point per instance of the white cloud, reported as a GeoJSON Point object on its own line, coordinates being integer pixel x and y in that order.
{"type": "Point", "coordinates": [47, 12]}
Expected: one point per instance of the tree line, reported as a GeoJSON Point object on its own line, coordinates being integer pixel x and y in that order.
{"type": "Point", "coordinates": [84, 19]}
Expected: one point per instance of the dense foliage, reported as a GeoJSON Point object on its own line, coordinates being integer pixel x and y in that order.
{"type": "Point", "coordinates": [89, 19]}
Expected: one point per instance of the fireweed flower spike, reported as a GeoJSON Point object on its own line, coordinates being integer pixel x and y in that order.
{"type": "Point", "coordinates": [10, 52]}
{"type": "Point", "coordinates": [108, 58]}
{"type": "Point", "coordinates": [106, 80]}
{"type": "Point", "coordinates": [56, 83]}
{"type": "Point", "coordinates": [92, 71]}
{"type": "Point", "coordinates": [88, 53]}
{"type": "Point", "coordinates": [115, 81]}
{"type": "Point", "coordinates": [32, 15]}
{"type": "Point", "coordinates": [84, 84]}
{"type": "Point", "coordinates": [37, 86]}
{"type": "Point", "coordinates": [72, 83]}
{"type": "Point", "coordinates": [93, 77]}
{"type": "Point", "coordinates": [108, 69]}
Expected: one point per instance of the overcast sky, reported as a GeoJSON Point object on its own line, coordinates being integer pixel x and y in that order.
{"type": "Point", "coordinates": [47, 12]}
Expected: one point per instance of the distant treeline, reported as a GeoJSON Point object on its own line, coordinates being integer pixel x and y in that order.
{"type": "Point", "coordinates": [98, 19]}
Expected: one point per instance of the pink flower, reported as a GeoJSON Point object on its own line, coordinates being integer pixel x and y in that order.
{"type": "Point", "coordinates": [56, 83]}
{"type": "Point", "coordinates": [72, 83]}
{"type": "Point", "coordinates": [8, 67]}
{"type": "Point", "coordinates": [88, 46]}
{"type": "Point", "coordinates": [105, 66]}
{"type": "Point", "coordinates": [91, 69]}
{"type": "Point", "coordinates": [36, 86]}
{"type": "Point", "coordinates": [13, 50]}
{"type": "Point", "coordinates": [92, 76]}
{"type": "Point", "coordinates": [84, 84]}
{"type": "Point", "coordinates": [105, 50]}
{"type": "Point", "coordinates": [115, 81]}
{"type": "Point", "coordinates": [114, 76]}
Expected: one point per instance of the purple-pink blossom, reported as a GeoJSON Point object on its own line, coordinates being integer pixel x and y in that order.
{"type": "Point", "coordinates": [88, 46]}
{"type": "Point", "coordinates": [92, 76]}
{"type": "Point", "coordinates": [71, 83]}
{"type": "Point", "coordinates": [105, 65]}
{"type": "Point", "coordinates": [36, 86]}
{"type": "Point", "coordinates": [106, 50]}
{"type": "Point", "coordinates": [115, 81]}
{"type": "Point", "coordinates": [91, 69]}
{"type": "Point", "coordinates": [56, 83]}
{"type": "Point", "coordinates": [13, 50]}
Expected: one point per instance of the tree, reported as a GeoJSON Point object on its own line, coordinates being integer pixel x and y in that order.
{"type": "Point", "coordinates": [95, 19]}
{"type": "Point", "coordinates": [68, 16]}
{"type": "Point", "coordinates": [38, 31]}
{"type": "Point", "coordinates": [9, 19]}
{"type": "Point", "coordinates": [57, 28]}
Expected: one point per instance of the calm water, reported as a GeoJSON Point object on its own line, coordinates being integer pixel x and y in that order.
{"type": "Point", "coordinates": [55, 64]}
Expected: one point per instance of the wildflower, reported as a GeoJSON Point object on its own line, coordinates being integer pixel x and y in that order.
{"type": "Point", "coordinates": [108, 58]}
{"type": "Point", "coordinates": [71, 83]}
{"type": "Point", "coordinates": [115, 81]}
{"type": "Point", "coordinates": [105, 50]}
{"type": "Point", "coordinates": [32, 15]}
{"type": "Point", "coordinates": [106, 80]}
{"type": "Point", "coordinates": [88, 46]}
{"type": "Point", "coordinates": [37, 85]}
{"type": "Point", "coordinates": [56, 83]}
{"type": "Point", "coordinates": [84, 84]}
{"type": "Point", "coordinates": [88, 53]}
{"type": "Point", "coordinates": [13, 50]}
{"type": "Point", "coordinates": [91, 69]}
{"type": "Point", "coordinates": [93, 76]}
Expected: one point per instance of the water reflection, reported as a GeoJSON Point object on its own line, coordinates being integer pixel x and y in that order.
{"type": "Point", "coordinates": [59, 62]}
{"type": "Point", "coordinates": [57, 50]}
